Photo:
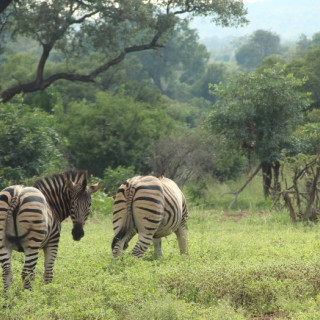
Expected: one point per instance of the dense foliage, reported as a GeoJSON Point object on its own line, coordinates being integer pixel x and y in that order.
{"type": "Point", "coordinates": [113, 130]}
{"type": "Point", "coordinates": [29, 144]}
{"type": "Point", "coordinates": [259, 46]}
{"type": "Point", "coordinates": [110, 102]}
{"type": "Point", "coordinates": [258, 112]}
{"type": "Point", "coordinates": [102, 31]}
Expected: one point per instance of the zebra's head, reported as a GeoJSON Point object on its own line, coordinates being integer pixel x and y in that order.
{"type": "Point", "coordinates": [80, 204]}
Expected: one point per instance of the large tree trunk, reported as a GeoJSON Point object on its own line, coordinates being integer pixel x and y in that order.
{"type": "Point", "coordinates": [266, 178]}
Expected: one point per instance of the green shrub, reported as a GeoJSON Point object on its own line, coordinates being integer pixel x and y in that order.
{"type": "Point", "coordinates": [29, 144]}
{"type": "Point", "coordinates": [113, 178]}
{"type": "Point", "coordinates": [102, 204]}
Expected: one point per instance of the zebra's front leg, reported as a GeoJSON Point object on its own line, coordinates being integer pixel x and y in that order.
{"type": "Point", "coordinates": [50, 254]}
{"type": "Point", "coordinates": [5, 258]}
{"type": "Point", "coordinates": [28, 275]}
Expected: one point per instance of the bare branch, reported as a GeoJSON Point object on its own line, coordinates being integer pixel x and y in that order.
{"type": "Point", "coordinates": [289, 205]}
{"type": "Point", "coordinates": [41, 84]}
{"type": "Point", "coordinates": [313, 191]}
{"type": "Point", "coordinates": [244, 186]}
{"type": "Point", "coordinates": [84, 17]}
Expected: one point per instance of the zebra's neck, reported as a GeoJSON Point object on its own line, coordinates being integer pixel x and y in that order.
{"type": "Point", "coordinates": [58, 198]}
{"type": "Point", "coordinates": [59, 205]}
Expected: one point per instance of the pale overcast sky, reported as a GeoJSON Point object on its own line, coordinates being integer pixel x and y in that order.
{"type": "Point", "coordinates": [287, 18]}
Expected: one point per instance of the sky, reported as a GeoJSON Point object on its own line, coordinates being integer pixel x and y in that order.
{"type": "Point", "coordinates": [287, 18]}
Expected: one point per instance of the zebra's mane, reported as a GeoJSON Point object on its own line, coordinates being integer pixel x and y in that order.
{"type": "Point", "coordinates": [54, 189]}
{"type": "Point", "coordinates": [74, 175]}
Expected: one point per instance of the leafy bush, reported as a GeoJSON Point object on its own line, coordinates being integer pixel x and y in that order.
{"type": "Point", "coordinates": [113, 178]}
{"type": "Point", "coordinates": [114, 130]}
{"type": "Point", "coordinates": [102, 204]}
{"type": "Point", "coordinates": [29, 144]}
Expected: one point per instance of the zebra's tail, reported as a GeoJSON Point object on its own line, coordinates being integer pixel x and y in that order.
{"type": "Point", "coordinates": [11, 216]}
{"type": "Point", "coordinates": [126, 231]}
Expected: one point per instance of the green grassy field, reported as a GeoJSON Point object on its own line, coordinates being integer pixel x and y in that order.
{"type": "Point", "coordinates": [242, 264]}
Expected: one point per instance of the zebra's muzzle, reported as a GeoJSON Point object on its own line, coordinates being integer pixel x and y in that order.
{"type": "Point", "coordinates": [77, 232]}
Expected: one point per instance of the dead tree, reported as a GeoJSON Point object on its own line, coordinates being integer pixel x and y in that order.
{"type": "Point", "coordinates": [302, 198]}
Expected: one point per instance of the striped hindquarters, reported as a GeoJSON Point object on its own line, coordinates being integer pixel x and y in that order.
{"type": "Point", "coordinates": [175, 211]}
{"type": "Point", "coordinates": [138, 207]}
{"type": "Point", "coordinates": [151, 207]}
{"type": "Point", "coordinates": [27, 225]}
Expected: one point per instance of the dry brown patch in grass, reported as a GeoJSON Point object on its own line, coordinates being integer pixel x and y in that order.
{"type": "Point", "coordinates": [235, 216]}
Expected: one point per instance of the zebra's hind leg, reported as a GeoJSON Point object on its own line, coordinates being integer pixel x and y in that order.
{"type": "Point", "coordinates": [50, 254]}
{"type": "Point", "coordinates": [5, 258]}
{"type": "Point", "coordinates": [142, 245]}
{"type": "Point", "coordinates": [157, 247]}
{"type": "Point", "coordinates": [182, 236]}
{"type": "Point", "coordinates": [31, 258]}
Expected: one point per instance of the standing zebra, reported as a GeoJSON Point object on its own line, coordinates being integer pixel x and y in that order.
{"type": "Point", "coordinates": [30, 220]}
{"type": "Point", "coordinates": [151, 207]}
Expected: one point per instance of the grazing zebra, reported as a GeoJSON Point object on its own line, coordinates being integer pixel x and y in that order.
{"type": "Point", "coordinates": [151, 207]}
{"type": "Point", "coordinates": [30, 220]}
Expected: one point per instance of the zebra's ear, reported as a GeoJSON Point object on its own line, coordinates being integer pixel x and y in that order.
{"type": "Point", "coordinates": [84, 180]}
{"type": "Point", "coordinates": [95, 187]}
{"type": "Point", "coordinates": [70, 184]}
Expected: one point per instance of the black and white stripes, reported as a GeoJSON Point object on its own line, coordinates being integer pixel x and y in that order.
{"type": "Point", "coordinates": [151, 207]}
{"type": "Point", "coordinates": [30, 219]}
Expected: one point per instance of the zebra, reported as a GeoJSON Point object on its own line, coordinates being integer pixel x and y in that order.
{"type": "Point", "coordinates": [153, 208]}
{"type": "Point", "coordinates": [30, 220]}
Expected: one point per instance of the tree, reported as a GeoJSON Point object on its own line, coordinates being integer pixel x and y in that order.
{"type": "Point", "coordinates": [114, 130]}
{"type": "Point", "coordinates": [304, 43]}
{"type": "Point", "coordinates": [184, 157]}
{"type": "Point", "coordinates": [182, 58]}
{"type": "Point", "coordinates": [257, 113]}
{"type": "Point", "coordinates": [260, 45]}
{"type": "Point", "coordinates": [302, 194]}
{"type": "Point", "coordinates": [308, 67]}
{"type": "Point", "coordinates": [103, 31]}
{"type": "Point", "coordinates": [29, 144]}
{"type": "Point", "coordinates": [215, 73]}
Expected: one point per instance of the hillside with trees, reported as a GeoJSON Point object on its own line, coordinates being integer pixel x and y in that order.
{"type": "Point", "coordinates": [126, 85]}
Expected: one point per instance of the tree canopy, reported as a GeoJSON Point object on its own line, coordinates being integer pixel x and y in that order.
{"type": "Point", "coordinates": [257, 113]}
{"type": "Point", "coordinates": [104, 31]}
{"type": "Point", "coordinates": [114, 130]}
{"type": "Point", "coordinates": [29, 144]}
{"type": "Point", "coordinates": [261, 44]}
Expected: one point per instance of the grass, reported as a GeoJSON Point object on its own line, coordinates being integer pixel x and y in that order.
{"type": "Point", "coordinates": [242, 264]}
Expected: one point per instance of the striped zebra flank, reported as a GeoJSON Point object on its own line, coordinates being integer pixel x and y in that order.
{"type": "Point", "coordinates": [30, 220]}
{"type": "Point", "coordinates": [152, 208]}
